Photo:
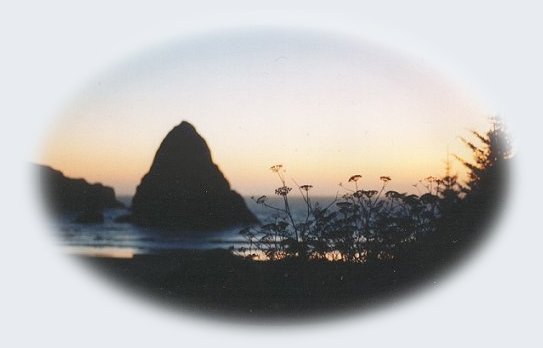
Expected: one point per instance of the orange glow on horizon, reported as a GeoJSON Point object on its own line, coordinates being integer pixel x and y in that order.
{"type": "Point", "coordinates": [249, 173]}
{"type": "Point", "coordinates": [327, 110]}
{"type": "Point", "coordinates": [102, 252]}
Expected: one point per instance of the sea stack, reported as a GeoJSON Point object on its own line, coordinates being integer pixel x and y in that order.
{"type": "Point", "coordinates": [185, 190]}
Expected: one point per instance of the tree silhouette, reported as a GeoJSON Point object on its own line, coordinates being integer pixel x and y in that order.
{"type": "Point", "coordinates": [487, 175]}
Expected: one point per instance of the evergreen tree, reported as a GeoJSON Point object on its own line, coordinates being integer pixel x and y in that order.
{"type": "Point", "coordinates": [487, 178]}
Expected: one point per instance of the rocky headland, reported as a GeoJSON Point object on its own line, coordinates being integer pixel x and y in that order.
{"type": "Point", "coordinates": [64, 195]}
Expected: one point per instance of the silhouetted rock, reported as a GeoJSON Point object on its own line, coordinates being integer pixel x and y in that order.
{"type": "Point", "coordinates": [184, 189]}
{"type": "Point", "coordinates": [67, 195]}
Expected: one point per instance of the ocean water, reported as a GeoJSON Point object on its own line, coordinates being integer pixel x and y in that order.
{"type": "Point", "coordinates": [114, 239]}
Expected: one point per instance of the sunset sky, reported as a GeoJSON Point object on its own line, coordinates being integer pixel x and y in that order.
{"type": "Point", "coordinates": [325, 107]}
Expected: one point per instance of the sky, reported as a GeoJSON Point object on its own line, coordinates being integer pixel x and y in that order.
{"type": "Point", "coordinates": [326, 107]}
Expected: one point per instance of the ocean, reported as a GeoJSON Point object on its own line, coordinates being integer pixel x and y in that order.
{"type": "Point", "coordinates": [114, 239]}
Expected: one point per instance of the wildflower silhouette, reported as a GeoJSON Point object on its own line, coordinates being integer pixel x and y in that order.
{"type": "Point", "coordinates": [283, 191]}
{"type": "Point", "coordinates": [381, 225]}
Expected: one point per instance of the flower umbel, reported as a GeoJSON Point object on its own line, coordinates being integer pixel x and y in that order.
{"type": "Point", "coordinates": [283, 191]}
{"type": "Point", "coordinates": [306, 188]}
{"type": "Point", "coordinates": [261, 200]}
{"type": "Point", "coordinates": [385, 179]}
{"type": "Point", "coordinates": [276, 168]}
{"type": "Point", "coordinates": [355, 178]}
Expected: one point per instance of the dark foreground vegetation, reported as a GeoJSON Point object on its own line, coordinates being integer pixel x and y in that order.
{"type": "Point", "coordinates": [366, 245]}
{"type": "Point", "coordinates": [381, 224]}
{"type": "Point", "coordinates": [220, 283]}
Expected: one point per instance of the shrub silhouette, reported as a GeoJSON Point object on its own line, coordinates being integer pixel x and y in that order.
{"type": "Point", "coordinates": [379, 225]}
{"type": "Point", "coordinates": [361, 225]}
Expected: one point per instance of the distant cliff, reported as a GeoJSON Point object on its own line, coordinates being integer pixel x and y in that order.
{"type": "Point", "coordinates": [68, 195]}
{"type": "Point", "coordinates": [184, 189]}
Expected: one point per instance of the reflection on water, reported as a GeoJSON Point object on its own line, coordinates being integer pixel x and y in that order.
{"type": "Point", "coordinates": [115, 239]}
{"type": "Point", "coordinates": [111, 252]}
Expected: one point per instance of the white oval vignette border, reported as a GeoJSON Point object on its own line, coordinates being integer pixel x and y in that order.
{"type": "Point", "coordinates": [51, 48]}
